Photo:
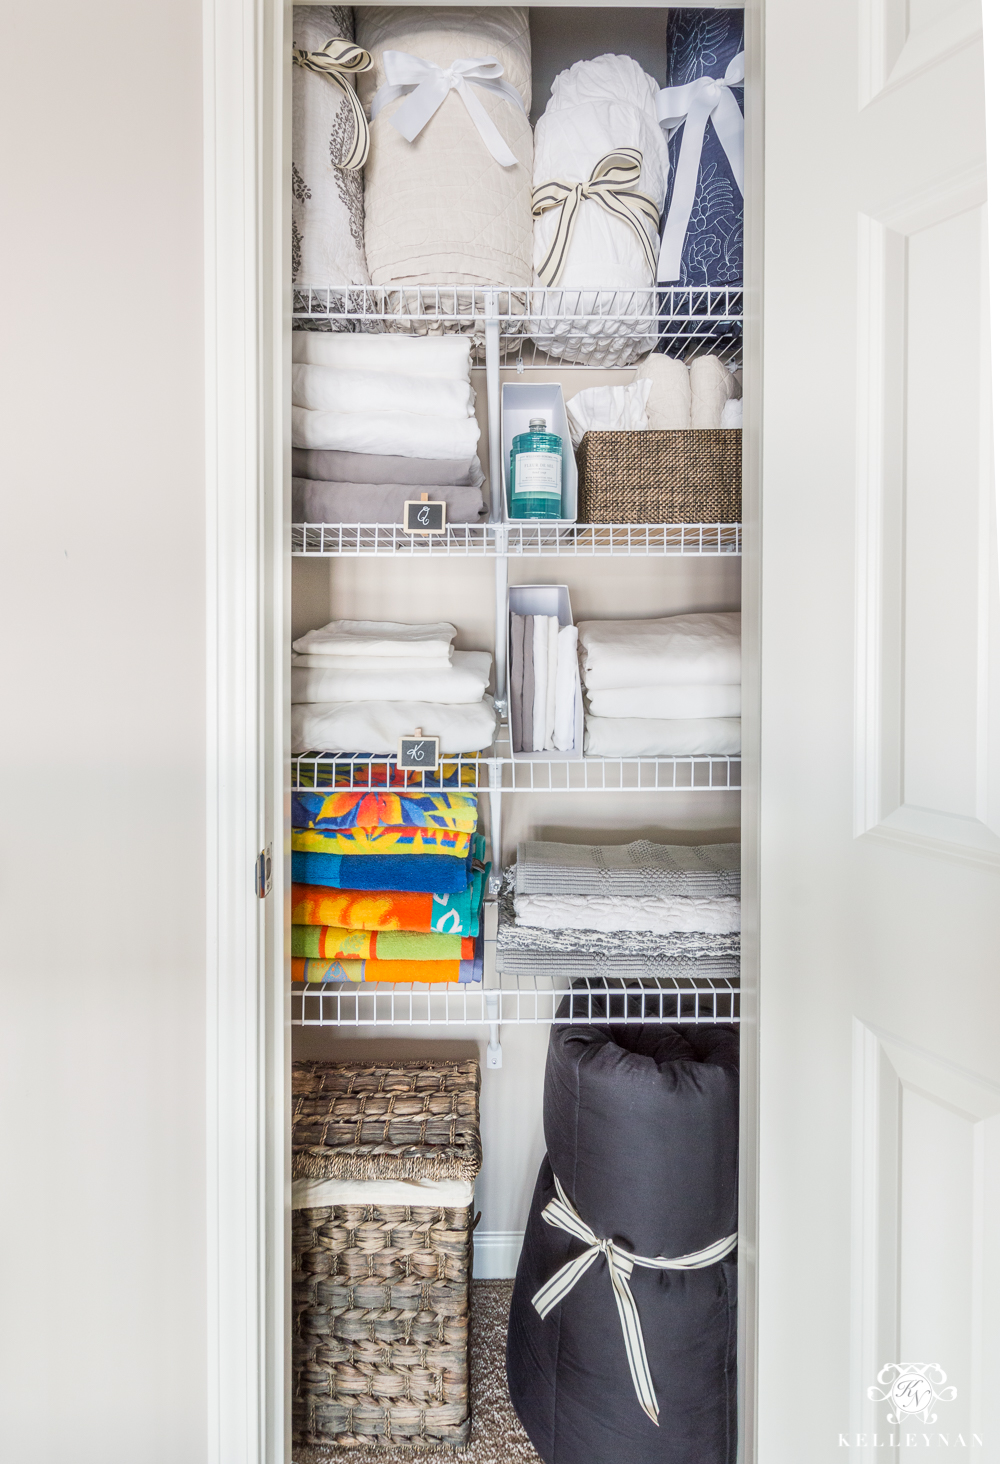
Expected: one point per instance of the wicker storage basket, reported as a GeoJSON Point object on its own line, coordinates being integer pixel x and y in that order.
{"type": "Point", "coordinates": [691, 476]}
{"type": "Point", "coordinates": [381, 1291]}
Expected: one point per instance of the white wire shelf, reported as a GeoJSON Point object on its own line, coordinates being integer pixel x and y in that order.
{"type": "Point", "coordinates": [517, 1000]}
{"type": "Point", "coordinates": [498, 772]}
{"type": "Point", "coordinates": [527, 539]}
{"type": "Point", "coordinates": [539, 327]}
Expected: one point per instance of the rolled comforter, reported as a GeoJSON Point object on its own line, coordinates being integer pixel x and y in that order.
{"type": "Point", "coordinates": [441, 209]}
{"type": "Point", "coordinates": [327, 200]}
{"type": "Point", "coordinates": [598, 108]}
{"type": "Point", "coordinates": [642, 1131]}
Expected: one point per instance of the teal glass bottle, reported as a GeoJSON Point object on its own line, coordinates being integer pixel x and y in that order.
{"type": "Point", "coordinates": [536, 473]}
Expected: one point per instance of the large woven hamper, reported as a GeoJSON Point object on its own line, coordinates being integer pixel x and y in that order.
{"type": "Point", "coordinates": [380, 1325]}
{"type": "Point", "coordinates": [690, 476]}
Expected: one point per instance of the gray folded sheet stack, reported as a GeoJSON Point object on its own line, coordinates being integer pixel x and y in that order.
{"type": "Point", "coordinates": [331, 487]}
{"type": "Point", "coordinates": [637, 870]}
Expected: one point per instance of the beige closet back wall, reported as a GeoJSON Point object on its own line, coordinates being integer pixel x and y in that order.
{"type": "Point", "coordinates": [102, 737]}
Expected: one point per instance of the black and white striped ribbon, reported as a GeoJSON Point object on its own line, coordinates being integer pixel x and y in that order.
{"type": "Point", "coordinates": [608, 186]}
{"type": "Point", "coordinates": [561, 1214]}
{"type": "Point", "coordinates": [338, 60]}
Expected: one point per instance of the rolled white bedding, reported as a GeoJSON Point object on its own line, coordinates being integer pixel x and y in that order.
{"type": "Point", "coordinates": [449, 356]}
{"type": "Point", "coordinates": [405, 433]}
{"type": "Point", "coordinates": [662, 737]}
{"type": "Point", "coordinates": [712, 386]}
{"type": "Point", "coordinates": [672, 650]}
{"type": "Point", "coordinates": [377, 726]}
{"type": "Point", "coordinates": [380, 638]}
{"type": "Point", "coordinates": [463, 681]}
{"type": "Point", "coordinates": [331, 389]}
{"type": "Point", "coordinates": [668, 406]}
{"type": "Point", "coordinates": [667, 701]}
{"type": "Point", "coordinates": [660, 914]}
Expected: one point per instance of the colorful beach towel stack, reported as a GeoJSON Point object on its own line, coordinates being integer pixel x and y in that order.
{"type": "Point", "coordinates": [388, 886]}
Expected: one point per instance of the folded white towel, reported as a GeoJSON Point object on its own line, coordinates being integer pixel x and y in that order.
{"type": "Point", "coordinates": [712, 385]}
{"type": "Point", "coordinates": [447, 355]}
{"type": "Point", "coordinates": [661, 914]}
{"type": "Point", "coordinates": [608, 409]}
{"type": "Point", "coordinates": [464, 680]}
{"type": "Point", "coordinates": [566, 688]}
{"type": "Point", "coordinates": [377, 726]}
{"type": "Point", "coordinates": [662, 737]}
{"type": "Point", "coordinates": [379, 638]}
{"type": "Point", "coordinates": [673, 650]}
{"type": "Point", "coordinates": [405, 433]}
{"type": "Point", "coordinates": [667, 701]}
{"type": "Point", "coordinates": [328, 389]}
{"type": "Point", "coordinates": [540, 668]}
{"type": "Point", "coordinates": [669, 405]}
{"type": "Point", "coordinates": [732, 413]}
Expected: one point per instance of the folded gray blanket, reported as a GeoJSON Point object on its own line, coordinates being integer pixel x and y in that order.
{"type": "Point", "coordinates": [370, 467]}
{"type": "Point", "coordinates": [378, 503]}
{"type": "Point", "coordinates": [614, 945]}
{"type": "Point", "coordinates": [589, 966]}
{"type": "Point", "coordinates": [640, 868]}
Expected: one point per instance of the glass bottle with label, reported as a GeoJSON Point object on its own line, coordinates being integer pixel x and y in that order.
{"type": "Point", "coordinates": [536, 473]}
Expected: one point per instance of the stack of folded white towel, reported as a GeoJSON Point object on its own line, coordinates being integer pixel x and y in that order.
{"type": "Point", "coordinates": [379, 419]}
{"type": "Point", "coordinates": [665, 395]}
{"type": "Point", "coordinates": [667, 687]}
{"type": "Point", "coordinates": [361, 685]}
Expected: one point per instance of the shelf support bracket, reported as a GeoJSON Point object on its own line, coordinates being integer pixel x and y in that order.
{"type": "Point", "coordinates": [494, 1052]}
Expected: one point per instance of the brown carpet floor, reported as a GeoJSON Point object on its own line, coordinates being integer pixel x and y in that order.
{"type": "Point", "coordinates": [497, 1436]}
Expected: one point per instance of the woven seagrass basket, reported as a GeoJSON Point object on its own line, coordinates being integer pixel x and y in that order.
{"type": "Point", "coordinates": [381, 1291]}
{"type": "Point", "coordinates": [691, 476]}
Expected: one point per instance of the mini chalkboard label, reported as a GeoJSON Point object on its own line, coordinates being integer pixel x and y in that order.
{"type": "Point", "coordinates": [419, 753]}
{"type": "Point", "coordinates": [423, 516]}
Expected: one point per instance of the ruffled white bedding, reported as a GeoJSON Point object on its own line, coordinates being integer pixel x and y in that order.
{"type": "Point", "coordinates": [661, 914]}
{"type": "Point", "coordinates": [597, 107]}
{"type": "Point", "coordinates": [377, 726]}
{"type": "Point", "coordinates": [441, 209]}
{"type": "Point", "coordinates": [327, 201]}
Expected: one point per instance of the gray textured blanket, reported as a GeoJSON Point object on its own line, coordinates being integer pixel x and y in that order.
{"type": "Point", "coordinates": [639, 868]}
{"type": "Point", "coordinates": [377, 503]}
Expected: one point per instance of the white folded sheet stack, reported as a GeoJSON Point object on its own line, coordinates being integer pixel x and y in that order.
{"type": "Point", "coordinates": [376, 413]}
{"type": "Point", "coordinates": [361, 685]}
{"type": "Point", "coordinates": [668, 687]}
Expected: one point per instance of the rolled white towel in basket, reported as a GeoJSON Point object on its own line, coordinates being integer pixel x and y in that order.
{"type": "Point", "coordinates": [712, 386]}
{"type": "Point", "coordinates": [668, 406]}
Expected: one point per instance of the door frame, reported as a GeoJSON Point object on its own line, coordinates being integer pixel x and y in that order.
{"type": "Point", "coordinates": [247, 117]}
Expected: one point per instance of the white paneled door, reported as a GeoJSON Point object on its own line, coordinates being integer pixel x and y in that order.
{"type": "Point", "coordinates": [879, 1221]}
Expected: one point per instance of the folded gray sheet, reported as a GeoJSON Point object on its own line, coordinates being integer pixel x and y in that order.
{"type": "Point", "coordinates": [370, 467]}
{"type": "Point", "coordinates": [378, 503]}
{"type": "Point", "coordinates": [593, 965]}
{"type": "Point", "coordinates": [639, 868]}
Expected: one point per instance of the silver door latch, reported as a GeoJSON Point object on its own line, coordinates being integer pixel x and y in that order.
{"type": "Point", "coordinates": [262, 873]}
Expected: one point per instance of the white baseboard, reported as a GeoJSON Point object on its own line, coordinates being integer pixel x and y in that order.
{"type": "Point", "coordinates": [495, 1254]}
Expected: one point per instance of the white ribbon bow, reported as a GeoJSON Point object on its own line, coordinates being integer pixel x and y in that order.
{"type": "Point", "coordinates": [560, 1213]}
{"type": "Point", "coordinates": [429, 84]}
{"type": "Point", "coordinates": [693, 105]}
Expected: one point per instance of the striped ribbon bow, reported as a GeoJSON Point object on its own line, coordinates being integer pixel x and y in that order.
{"type": "Point", "coordinates": [608, 186]}
{"type": "Point", "coordinates": [560, 1214]}
{"type": "Point", "coordinates": [336, 61]}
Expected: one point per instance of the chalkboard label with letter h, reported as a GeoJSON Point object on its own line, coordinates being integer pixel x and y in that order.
{"type": "Point", "coordinates": [419, 753]}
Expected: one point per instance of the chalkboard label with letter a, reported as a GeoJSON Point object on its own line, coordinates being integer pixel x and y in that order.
{"type": "Point", "coordinates": [419, 753]}
{"type": "Point", "coordinates": [421, 516]}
